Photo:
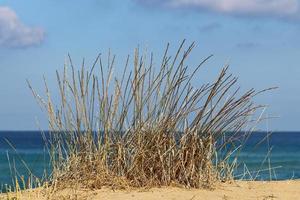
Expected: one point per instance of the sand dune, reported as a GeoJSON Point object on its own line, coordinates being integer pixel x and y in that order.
{"type": "Point", "coordinates": [234, 191]}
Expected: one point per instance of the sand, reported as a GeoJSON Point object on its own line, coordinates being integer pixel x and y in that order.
{"type": "Point", "coordinates": [235, 191]}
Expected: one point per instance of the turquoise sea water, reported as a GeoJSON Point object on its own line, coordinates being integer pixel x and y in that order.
{"type": "Point", "coordinates": [284, 158]}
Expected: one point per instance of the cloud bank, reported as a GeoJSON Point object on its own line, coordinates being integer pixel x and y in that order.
{"type": "Point", "coordinates": [14, 34]}
{"type": "Point", "coordinates": [274, 8]}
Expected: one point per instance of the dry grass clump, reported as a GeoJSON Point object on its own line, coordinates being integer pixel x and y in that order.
{"type": "Point", "coordinates": [147, 127]}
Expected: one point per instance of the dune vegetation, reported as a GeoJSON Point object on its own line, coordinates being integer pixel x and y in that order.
{"type": "Point", "coordinates": [150, 126]}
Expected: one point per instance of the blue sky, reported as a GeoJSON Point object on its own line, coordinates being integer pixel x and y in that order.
{"type": "Point", "coordinates": [258, 38]}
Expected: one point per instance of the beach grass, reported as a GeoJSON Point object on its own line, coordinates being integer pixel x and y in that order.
{"type": "Point", "coordinates": [148, 127]}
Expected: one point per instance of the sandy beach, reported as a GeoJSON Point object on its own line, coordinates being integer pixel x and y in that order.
{"type": "Point", "coordinates": [234, 191]}
{"type": "Point", "coordinates": [150, 99]}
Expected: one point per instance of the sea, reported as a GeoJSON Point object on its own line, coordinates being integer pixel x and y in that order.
{"type": "Point", "coordinates": [266, 156]}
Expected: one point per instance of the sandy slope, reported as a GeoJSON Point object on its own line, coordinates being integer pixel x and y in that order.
{"type": "Point", "coordinates": [235, 191]}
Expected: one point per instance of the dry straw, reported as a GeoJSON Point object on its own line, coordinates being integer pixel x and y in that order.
{"type": "Point", "coordinates": [148, 127]}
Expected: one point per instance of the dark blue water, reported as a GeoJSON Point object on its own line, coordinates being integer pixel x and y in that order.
{"type": "Point", "coordinates": [284, 158]}
{"type": "Point", "coordinates": [279, 151]}
{"type": "Point", "coordinates": [22, 153]}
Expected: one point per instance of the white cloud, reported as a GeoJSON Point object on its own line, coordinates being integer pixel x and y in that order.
{"type": "Point", "coordinates": [277, 8]}
{"type": "Point", "coordinates": [13, 33]}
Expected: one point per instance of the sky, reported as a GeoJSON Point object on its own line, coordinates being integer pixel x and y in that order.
{"type": "Point", "coordinates": [259, 39]}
